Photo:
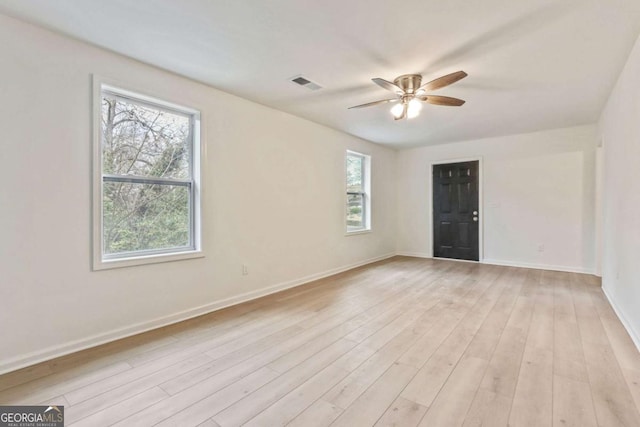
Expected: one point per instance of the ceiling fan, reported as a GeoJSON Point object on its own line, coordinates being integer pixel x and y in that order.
{"type": "Point", "coordinates": [410, 94]}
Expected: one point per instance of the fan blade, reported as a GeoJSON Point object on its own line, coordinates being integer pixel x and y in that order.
{"type": "Point", "coordinates": [388, 85]}
{"type": "Point", "coordinates": [441, 100]}
{"type": "Point", "coordinates": [443, 81]}
{"type": "Point", "coordinates": [369, 104]}
{"type": "Point", "coordinates": [404, 112]}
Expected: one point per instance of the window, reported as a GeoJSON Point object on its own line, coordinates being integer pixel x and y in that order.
{"type": "Point", "coordinates": [147, 173]}
{"type": "Point", "coordinates": [358, 205]}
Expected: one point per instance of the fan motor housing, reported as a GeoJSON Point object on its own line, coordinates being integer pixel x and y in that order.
{"type": "Point", "coordinates": [409, 83]}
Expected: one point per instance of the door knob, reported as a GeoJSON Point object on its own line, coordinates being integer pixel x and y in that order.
{"type": "Point", "coordinates": [475, 219]}
{"type": "Point", "coordinates": [475, 212]}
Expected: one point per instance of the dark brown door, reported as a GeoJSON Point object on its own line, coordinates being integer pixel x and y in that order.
{"type": "Point", "coordinates": [455, 211]}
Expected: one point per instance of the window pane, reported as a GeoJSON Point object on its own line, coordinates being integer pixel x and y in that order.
{"type": "Point", "coordinates": [355, 210]}
{"type": "Point", "coordinates": [354, 174]}
{"type": "Point", "coordinates": [143, 141]}
{"type": "Point", "coordinates": [140, 217]}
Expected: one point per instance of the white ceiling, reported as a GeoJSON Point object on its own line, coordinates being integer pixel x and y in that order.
{"type": "Point", "coordinates": [532, 64]}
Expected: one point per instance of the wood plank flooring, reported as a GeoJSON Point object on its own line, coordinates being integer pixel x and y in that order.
{"type": "Point", "coordinates": [403, 342]}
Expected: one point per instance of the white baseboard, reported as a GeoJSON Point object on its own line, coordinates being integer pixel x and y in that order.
{"type": "Point", "coordinates": [635, 336]}
{"type": "Point", "coordinates": [414, 254]}
{"type": "Point", "coordinates": [539, 266]}
{"type": "Point", "coordinates": [507, 263]}
{"type": "Point", "coordinates": [103, 338]}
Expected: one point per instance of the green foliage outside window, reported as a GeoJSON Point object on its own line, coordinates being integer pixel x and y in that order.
{"type": "Point", "coordinates": [141, 141]}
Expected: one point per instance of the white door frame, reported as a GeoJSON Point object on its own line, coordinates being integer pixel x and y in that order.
{"type": "Point", "coordinates": [480, 203]}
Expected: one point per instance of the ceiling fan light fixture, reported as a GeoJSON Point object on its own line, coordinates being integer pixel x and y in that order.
{"type": "Point", "coordinates": [414, 108]}
{"type": "Point", "coordinates": [397, 110]}
{"type": "Point", "coordinates": [410, 93]}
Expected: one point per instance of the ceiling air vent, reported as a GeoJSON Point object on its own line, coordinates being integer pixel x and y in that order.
{"type": "Point", "coordinates": [305, 82]}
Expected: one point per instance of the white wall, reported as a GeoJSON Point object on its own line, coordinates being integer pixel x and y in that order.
{"type": "Point", "coordinates": [538, 190]}
{"type": "Point", "coordinates": [598, 208]}
{"type": "Point", "coordinates": [273, 198]}
{"type": "Point", "coordinates": [620, 132]}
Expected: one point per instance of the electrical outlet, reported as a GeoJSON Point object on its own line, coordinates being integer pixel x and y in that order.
{"type": "Point", "coordinates": [540, 248]}
{"type": "Point", "coordinates": [245, 269]}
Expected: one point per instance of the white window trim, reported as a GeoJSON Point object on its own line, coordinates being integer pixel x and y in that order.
{"type": "Point", "coordinates": [197, 153]}
{"type": "Point", "coordinates": [367, 193]}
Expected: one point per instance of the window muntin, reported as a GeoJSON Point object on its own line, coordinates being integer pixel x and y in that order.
{"type": "Point", "coordinates": [148, 177]}
{"type": "Point", "coordinates": [357, 200]}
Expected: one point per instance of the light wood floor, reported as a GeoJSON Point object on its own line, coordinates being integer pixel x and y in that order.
{"type": "Point", "coordinates": [402, 342]}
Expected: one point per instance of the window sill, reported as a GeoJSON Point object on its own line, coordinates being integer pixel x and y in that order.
{"type": "Point", "coordinates": [144, 260]}
{"type": "Point", "coordinates": [356, 232]}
